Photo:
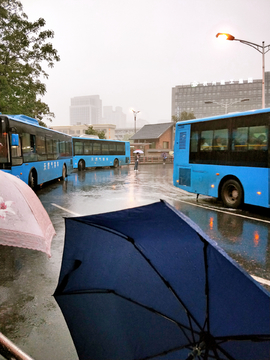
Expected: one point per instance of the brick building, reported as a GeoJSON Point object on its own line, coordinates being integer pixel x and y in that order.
{"type": "Point", "coordinates": [154, 139]}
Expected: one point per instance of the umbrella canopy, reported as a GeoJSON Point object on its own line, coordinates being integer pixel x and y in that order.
{"type": "Point", "coordinates": [23, 220]}
{"type": "Point", "coordinates": [138, 151]}
{"type": "Point", "coordinates": [147, 283]}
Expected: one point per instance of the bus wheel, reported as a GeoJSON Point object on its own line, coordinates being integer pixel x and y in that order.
{"type": "Point", "coordinates": [116, 163]}
{"type": "Point", "coordinates": [32, 180]}
{"type": "Point", "coordinates": [64, 172]}
{"type": "Point", "coordinates": [232, 194]}
{"type": "Point", "coordinates": [81, 165]}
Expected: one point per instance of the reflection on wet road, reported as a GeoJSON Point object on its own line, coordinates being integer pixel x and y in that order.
{"type": "Point", "coordinates": [244, 239]}
{"type": "Point", "coordinates": [29, 315]}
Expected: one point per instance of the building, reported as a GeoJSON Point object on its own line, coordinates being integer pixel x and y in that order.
{"type": "Point", "coordinates": [124, 134]}
{"type": "Point", "coordinates": [222, 97]}
{"type": "Point", "coordinates": [116, 116]}
{"type": "Point", "coordinates": [85, 110]}
{"type": "Point", "coordinates": [79, 130]}
{"type": "Point", "coordinates": [154, 139]}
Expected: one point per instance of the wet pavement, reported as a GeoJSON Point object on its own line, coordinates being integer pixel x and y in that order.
{"type": "Point", "coordinates": [29, 315]}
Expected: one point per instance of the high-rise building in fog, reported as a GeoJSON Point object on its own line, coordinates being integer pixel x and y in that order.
{"type": "Point", "coordinates": [116, 117]}
{"type": "Point", "coordinates": [85, 110]}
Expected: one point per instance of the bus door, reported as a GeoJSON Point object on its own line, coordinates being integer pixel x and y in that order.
{"type": "Point", "coordinates": [181, 146]}
{"type": "Point", "coordinates": [182, 169]}
{"type": "Point", "coordinates": [127, 145]}
{"type": "Point", "coordinates": [4, 144]}
{"type": "Point", "coordinates": [16, 155]}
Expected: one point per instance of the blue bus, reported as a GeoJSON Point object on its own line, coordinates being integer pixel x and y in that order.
{"type": "Point", "coordinates": [89, 152]}
{"type": "Point", "coordinates": [31, 152]}
{"type": "Point", "coordinates": [226, 157]}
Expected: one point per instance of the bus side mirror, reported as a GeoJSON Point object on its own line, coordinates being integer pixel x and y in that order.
{"type": "Point", "coordinates": [14, 139]}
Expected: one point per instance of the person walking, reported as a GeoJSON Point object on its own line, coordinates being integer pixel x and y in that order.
{"type": "Point", "coordinates": [164, 155]}
{"type": "Point", "coordinates": [136, 162]}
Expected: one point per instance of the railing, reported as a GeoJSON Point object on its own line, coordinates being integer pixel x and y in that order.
{"type": "Point", "coordinates": [152, 159]}
{"type": "Point", "coordinates": [10, 351]}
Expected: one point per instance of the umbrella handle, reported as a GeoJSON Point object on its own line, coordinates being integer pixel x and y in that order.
{"type": "Point", "coordinates": [10, 351]}
{"type": "Point", "coordinates": [197, 350]}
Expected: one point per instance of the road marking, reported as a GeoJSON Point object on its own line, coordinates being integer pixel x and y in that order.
{"type": "Point", "coordinates": [225, 212]}
{"type": "Point", "coordinates": [260, 280]}
{"type": "Point", "coordinates": [69, 211]}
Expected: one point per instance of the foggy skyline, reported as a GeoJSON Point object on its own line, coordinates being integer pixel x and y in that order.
{"type": "Point", "coordinates": [132, 53]}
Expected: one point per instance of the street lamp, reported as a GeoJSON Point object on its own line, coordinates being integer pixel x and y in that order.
{"type": "Point", "coordinates": [225, 105]}
{"type": "Point", "coordinates": [261, 48]}
{"type": "Point", "coordinates": [135, 115]}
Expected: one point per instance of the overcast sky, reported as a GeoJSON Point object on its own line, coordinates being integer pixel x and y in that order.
{"type": "Point", "coordinates": [132, 52]}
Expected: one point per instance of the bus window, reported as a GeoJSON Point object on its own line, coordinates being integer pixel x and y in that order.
{"type": "Point", "coordinates": [88, 148]}
{"type": "Point", "coordinates": [29, 147]}
{"type": "Point", "coordinates": [250, 138]}
{"type": "Point", "coordinates": [112, 147]}
{"type": "Point", "coordinates": [120, 149]}
{"type": "Point", "coordinates": [194, 141]}
{"type": "Point", "coordinates": [49, 148]}
{"type": "Point", "coordinates": [239, 139]}
{"type": "Point", "coordinates": [220, 141]}
{"type": "Point", "coordinates": [96, 148]}
{"type": "Point", "coordinates": [257, 138]}
{"type": "Point", "coordinates": [41, 147]}
{"type": "Point", "coordinates": [105, 148]}
{"type": "Point", "coordinates": [206, 140]}
{"type": "Point", "coordinates": [56, 148]}
{"type": "Point", "coordinates": [16, 154]}
{"type": "Point", "coordinates": [78, 148]}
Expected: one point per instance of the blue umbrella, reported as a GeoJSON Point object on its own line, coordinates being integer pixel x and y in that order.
{"type": "Point", "coordinates": [147, 283]}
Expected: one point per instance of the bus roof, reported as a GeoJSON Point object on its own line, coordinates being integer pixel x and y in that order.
{"type": "Point", "coordinates": [24, 118]}
{"type": "Point", "coordinates": [225, 116]}
{"type": "Point", "coordinates": [82, 137]}
{"type": "Point", "coordinates": [31, 121]}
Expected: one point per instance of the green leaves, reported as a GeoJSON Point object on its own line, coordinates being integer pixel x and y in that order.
{"type": "Point", "coordinates": [184, 116]}
{"type": "Point", "coordinates": [92, 131]}
{"type": "Point", "coordinates": [24, 48]}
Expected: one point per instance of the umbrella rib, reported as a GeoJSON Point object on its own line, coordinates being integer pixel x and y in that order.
{"type": "Point", "coordinates": [255, 338]}
{"type": "Point", "coordinates": [190, 316]}
{"type": "Point", "coordinates": [111, 291]}
{"type": "Point", "coordinates": [181, 326]}
{"type": "Point", "coordinates": [230, 338]}
{"type": "Point", "coordinates": [132, 241]}
{"type": "Point", "coordinates": [224, 352]}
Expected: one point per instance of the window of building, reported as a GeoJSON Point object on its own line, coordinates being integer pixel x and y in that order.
{"type": "Point", "coordinates": [165, 144]}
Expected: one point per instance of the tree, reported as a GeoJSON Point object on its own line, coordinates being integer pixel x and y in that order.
{"type": "Point", "coordinates": [91, 131]}
{"type": "Point", "coordinates": [24, 47]}
{"type": "Point", "coordinates": [184, 116]}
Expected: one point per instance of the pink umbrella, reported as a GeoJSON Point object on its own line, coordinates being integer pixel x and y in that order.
{"type": "Point", "coordinates": [23, 220]}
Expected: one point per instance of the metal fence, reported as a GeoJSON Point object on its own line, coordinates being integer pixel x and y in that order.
{"type": "Point", "coordinates": [152, 160]}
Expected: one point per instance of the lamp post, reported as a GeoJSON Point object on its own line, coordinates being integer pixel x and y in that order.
{"type": "Point", "coordinates": [135, 116]}
{"type": "Point", "coordinates": [225, 105]}
{"type": "Point", "coordinates": [263, 49]}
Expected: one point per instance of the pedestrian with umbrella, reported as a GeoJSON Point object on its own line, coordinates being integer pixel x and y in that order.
{"type": "Point", "coordinates": [164, 156]}
{"type": "Point", "coordinates": [136, 158]}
